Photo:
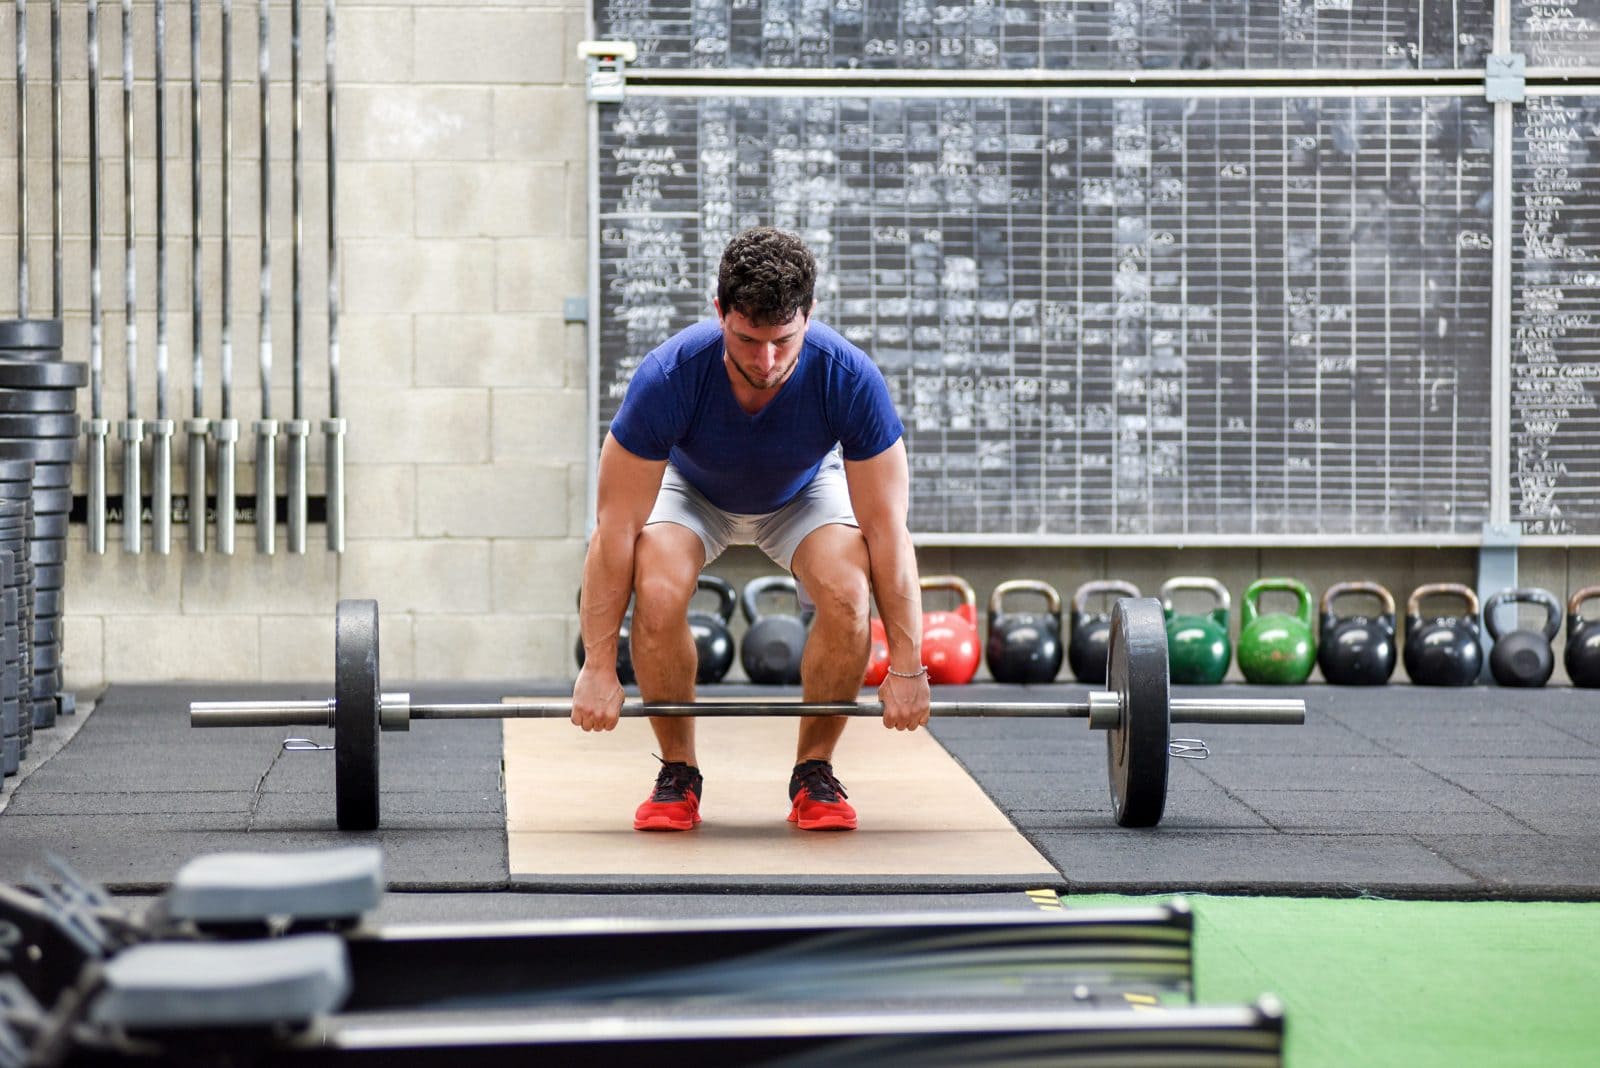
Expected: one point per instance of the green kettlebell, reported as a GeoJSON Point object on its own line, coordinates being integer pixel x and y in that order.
{"type": "Point", "coordinates": [1198, 650]}
{"type": "Point", "coordinates": [1276, 648]}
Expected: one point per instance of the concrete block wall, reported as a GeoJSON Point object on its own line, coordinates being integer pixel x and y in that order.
{"type": "Point", "coordinates": [462, 219]}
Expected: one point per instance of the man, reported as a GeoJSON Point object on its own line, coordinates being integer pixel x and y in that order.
{"type": "Point", "coordinates": [757, 427]}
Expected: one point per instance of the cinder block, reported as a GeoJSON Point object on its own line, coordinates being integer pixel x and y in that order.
{"type": "Point", "coordinates": [173, 648]}
{"type": "Point", "coordinates": [492, 501]}
{"type": "Point", "coordinates": [575, 338]}
{"type": "Point", "coordinates": [577, 199]}
{"type": "Point", "coordinates": [536, 575]}
{"type": "Point", "coordinates": [377, 350]}
{"type": "Point", "coordinates": [83, 652]}
{"type": "Point", "coordinates": [116, 583]}
{"type": "Point", "coordinates": [581, 508]}
{"type": "Point", "coordinates": [301, 647]}
{"type": "Point", "coordinates": [418, 576]}
{"type": "Point", "coordinates": [395, 277]}
{"type": "Point", "coordinates": [418, 426]}
{"type": "Point", "coordinates": [492, 350]}
{"type": "Point", "coordinates": [375, 45]}
{"type": "Point", "coordinates": [535, 122]}
{"type": "Point", "coordinates": [283, 583]}
{"type": "Point", "coordinates": [376, 200]}
{"type": "Point", "coordinates": [496, 45]}
{"type": "Point", "coordinates": [412, 123]}
{"type": "Point", "coordinates": [540, 425]}
{"type": "Point", "coordinates": [538, 274]}
{"type": "Point", "coordinates": [493, 646]}
{"type": "Point", "coordinates": [499, 200]}
{"type": "Point", "coordinates": [380, 501]}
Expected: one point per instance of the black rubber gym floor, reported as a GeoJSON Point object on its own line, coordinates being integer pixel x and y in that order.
{"type": "Point", "coordinates": [1399, 791]}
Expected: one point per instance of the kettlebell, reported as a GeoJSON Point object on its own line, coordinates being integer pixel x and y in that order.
{"type": "Point", "coordinates": [1276, 648]}
{"type": "Point", "coordinates": [1024, 646]}
{"type": "Point", "coordinates": [1523, 657]}
{"type": "Point", "coordinates": [1198, 649]}
{"type": "Point", "coordinates": [950, 639]}
{"type": "Point", "coordinates": [1090, 631]}
{"type": "Point", "coordinates": [773, 643]}
{"type": "Point", "coordinates": [1356, 650]}
{"type": "Point", "coordinates": [877, 655]}
{"type": "Point", "coordinates": [1444, 650]}
{"type": "Point", "coordinates": [624, 657]}
{"type": "Point", "coordinates": [713, 641]}
{"type": "Point", "coordinates": [1583, 641]}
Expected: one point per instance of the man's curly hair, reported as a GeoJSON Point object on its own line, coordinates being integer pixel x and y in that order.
{"type": "Point", "coordinates": [767, 276]}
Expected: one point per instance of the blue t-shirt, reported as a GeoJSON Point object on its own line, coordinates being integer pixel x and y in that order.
{"type": "Point", "coordinates": [680, 407]}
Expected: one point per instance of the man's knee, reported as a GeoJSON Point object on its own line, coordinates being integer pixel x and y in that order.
{"type": "Point", "coordinates": [842, 594]}
{"type": "Point", "coordinates": [665, 567]}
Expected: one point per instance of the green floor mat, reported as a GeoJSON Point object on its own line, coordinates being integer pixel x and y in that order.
{"type": "Point", "coordinates": [1415, 983]}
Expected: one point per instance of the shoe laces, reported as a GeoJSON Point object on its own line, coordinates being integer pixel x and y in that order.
{"type": "Point", "coordinates": [816, 777]}
{"type": "Point", "coordinates": [674, 780]}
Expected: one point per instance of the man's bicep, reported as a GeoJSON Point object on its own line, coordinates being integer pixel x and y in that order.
{"type": "Point", "coordinates": [880, 489]}
{"type": "Point", "coordinates": [627, 487]}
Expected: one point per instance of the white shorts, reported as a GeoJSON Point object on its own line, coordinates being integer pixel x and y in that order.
{"type": "Point", "coordinates": [825, 499]}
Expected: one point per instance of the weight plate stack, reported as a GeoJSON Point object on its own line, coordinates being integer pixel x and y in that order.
{"type": "Point", "coordinates": [16, 512]}
{"type": "Point", "coordinates": [39, 427]}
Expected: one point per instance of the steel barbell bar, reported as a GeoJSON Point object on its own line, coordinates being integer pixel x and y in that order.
{"type": "Point", "coordinates": [1135, 711]}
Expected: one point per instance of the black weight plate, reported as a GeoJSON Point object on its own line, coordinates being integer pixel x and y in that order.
{"type": "Point", "coordinates": [52, 501]}
{"type": "Point", "coordinates": [44, 714]}
{"type": "Point", "coordinates": [48, 576]}
{"type": "Point", "coordinates": [46, 602]}
{"type": "Point", "coordinates": [56, 450]}
{"type": "Point", "coordinates": [32, 374]}
{"type": "Point", "coordinates": [52, 475]}
{"type": "Point", "coordinates": [45, 658]}
{"type": "Point", "coordinates": [38, 400]}
{"type": "Point", "coordinates": [1136, 751]}
{"type": "Point", "coordinates": [39, 425]}
{"type": "Point", "coordinates": [47, 630]}
{"type": "Point", "coordinates": [356, 699]}
{"type": "Point", "coordinates": [47, 550]}
{"type": "Point", "coordinates": [50, 526]}
{"type": "Point", "coordinates": [30, 333]}
{"type": "Point", "coordinates": [16, 470]}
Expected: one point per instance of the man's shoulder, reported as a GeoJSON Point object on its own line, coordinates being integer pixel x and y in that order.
{"type": "Point", "coordinates": [841, 353]}
{"type": "Point", "coordinates": [688, 348]}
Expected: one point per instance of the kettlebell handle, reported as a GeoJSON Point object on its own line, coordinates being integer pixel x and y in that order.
{"type": "Point", "coordinates": [1194, 582]}
{"type": "Point", "coordinates": [1080, 597]}
{"type": "Point", "coordinates": [969, 596]}
{"type": "Point", "coordinates": [749, 599]}
{"type": "Point", "coordinates": [1253, 592]}
{"type": "Point", "coordinates": [1340, 589]}
{"type": "Point", "coordinates": [1441, 589]}
{"type": "Point", "coordinates": [1575, 602]}
{"type": "Point", "coordinates": [1524, 595]}
{"type": "Point", "coordinates": [727, 596]}
{"type": "Point", "coordinates": [1051, 595]}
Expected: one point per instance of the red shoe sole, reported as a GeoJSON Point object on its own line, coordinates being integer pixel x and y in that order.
{"type": "Point", "coordinates": [831, 822]}
{"type": "Point", "coordinates": [664, 823]}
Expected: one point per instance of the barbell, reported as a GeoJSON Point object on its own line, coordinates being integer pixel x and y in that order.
{"type": "Point", "coordinates": [1135, 711]}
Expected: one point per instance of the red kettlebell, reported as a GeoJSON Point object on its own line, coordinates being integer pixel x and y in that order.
{"type": "Point", "coordinates": [878, 657]}
{"type": "Point", "coordinates": [950, 646]}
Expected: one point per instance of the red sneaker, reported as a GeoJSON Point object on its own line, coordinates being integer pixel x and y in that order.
{"type": "Point", "coordinates": [674, 805]}
{"type": "Point", "coordinates": [819, 799]}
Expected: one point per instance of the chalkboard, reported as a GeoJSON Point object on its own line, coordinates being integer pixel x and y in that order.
{"type": "Point", "coordinates": [1555, 319]}
{"type": "Point", "coordinates": [1058, 35]}
{"type": "Point", "coordinates": [1563, 35]}
{"type": "Point", "coordinates": [1143, 314]}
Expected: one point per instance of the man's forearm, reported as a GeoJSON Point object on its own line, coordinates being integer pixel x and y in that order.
{"type": "Point", "coordinates": [607, 586]}
{"type": "Point", "coordinates": [893, 560]}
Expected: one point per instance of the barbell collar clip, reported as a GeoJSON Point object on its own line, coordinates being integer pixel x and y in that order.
{"type": "Point", "coordinates": [304, 745]}
{"type": "Point", "coordinates": [1105, 710]}
{"type": "Point", "coordinates": [394, 712]}
{"type": "Point", "coordinates": [1188, 749]}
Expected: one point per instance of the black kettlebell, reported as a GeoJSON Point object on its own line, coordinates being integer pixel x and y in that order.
{"type": "Point", "coordinates": [1523, 657]}
{"type": "Point", "coordinates": [713, 641]}
{"type": "Point", "coordinates": [1086, 648]}
{"type": "Point", "coordinates": [1356, 650]}
{"type": "Point", "coordinates": [1024, 646]}
{"type": "Point", "coordinates": [624, 656]}
{"type": "Point", "coordinates": [774, 643]}
{"type": "Point", "coordinates": [1443, 650]}
{"type": "Point", "coordinates": [1583, 642]}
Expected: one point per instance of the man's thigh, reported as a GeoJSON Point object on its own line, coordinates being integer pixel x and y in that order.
{"type": "Point", "coordinates": [680, 503]}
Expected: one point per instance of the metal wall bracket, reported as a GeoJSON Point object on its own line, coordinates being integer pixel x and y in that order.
{"type": "Point", "coordinates": [1506, 77]}
{"type": "Point", "coordinates": [607, 68]}
{"type": "Point", "coordinates": [1497, 570]}
{"type": "Point", "coordinates": [575, 310]}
